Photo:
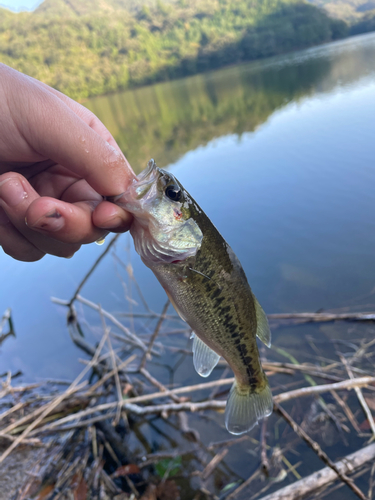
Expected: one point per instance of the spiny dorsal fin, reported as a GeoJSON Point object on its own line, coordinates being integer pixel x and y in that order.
{"type": "Point", "coordinates": [204, 358]}
{"type": "Point", "coordinates": [263, 329]}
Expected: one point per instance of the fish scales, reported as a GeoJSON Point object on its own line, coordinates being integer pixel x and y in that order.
{"type": "Point", "coordinates": [207, 286]}
{"type": "Point", "coordinates": [209, 303]}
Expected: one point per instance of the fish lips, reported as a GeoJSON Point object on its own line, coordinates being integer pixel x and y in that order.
{"type": "Point", "coordinates": [142, 191]}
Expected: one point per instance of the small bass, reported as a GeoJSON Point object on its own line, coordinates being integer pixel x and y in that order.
{"type": "Point", "coordinates": [205, 282]}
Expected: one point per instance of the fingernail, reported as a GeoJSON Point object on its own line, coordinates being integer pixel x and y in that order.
{"type": "Point", "coordinates": [12, 192]}
{"type": "Point", "coordinates": [52, 221]}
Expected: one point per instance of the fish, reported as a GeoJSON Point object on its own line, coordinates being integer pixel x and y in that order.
{"type": "Point", "coordinates": [207, 286]}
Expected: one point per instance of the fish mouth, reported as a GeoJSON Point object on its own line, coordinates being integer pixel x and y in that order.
{"type": "Point", "coordinates": [146, 179]}
{"type": "Point", "coordinates": [151, 166]}
{"type": "Point", "coordinates": [141, 190]}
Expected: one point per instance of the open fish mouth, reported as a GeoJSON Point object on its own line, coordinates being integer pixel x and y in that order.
{"type": "Point", "coordinates": [151, 167]}
{"type": "Point", "coordinates": [139, 188]}
{"type": "Point", "coordinates": [146, 180]}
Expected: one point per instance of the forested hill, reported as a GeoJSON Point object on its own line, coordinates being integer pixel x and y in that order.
{"type": "Point", "coordinates": [92, 47]}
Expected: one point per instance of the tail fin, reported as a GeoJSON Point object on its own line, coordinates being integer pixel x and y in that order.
{"type": "Point", "coordinates": [245, 408]}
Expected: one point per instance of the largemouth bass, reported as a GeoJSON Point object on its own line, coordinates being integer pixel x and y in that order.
{"type": "Point", "coordinates": [207, 286]}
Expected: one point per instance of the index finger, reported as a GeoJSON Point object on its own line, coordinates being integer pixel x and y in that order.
{"type": "Point", "coordinates": [55, 131]}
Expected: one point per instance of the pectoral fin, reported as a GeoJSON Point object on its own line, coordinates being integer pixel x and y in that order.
{"type": "Point", "coordinates": [263, 329]}
{"type": "Point", "coordinates": [204, 358]}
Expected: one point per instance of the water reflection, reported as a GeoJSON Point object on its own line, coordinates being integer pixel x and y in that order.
{"type": "Point", "coordinates": [165, 121]}
{"type": "Point", "coordinates": [297, 208]}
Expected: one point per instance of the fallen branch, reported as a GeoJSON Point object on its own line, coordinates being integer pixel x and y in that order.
{"type": "Point", "coordinates": [323, 477]}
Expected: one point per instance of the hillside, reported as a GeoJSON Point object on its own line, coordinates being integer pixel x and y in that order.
{"type": "Point", "coordinates": [92, 47]}
{"type": "Point", "coordinates": [351, 11]}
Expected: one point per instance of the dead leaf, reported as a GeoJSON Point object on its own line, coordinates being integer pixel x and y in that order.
{"type": "Point", "coordinates": [370, 402]}
{"type": "Point", "coordinates": [45, 492]}
{"type": "Point", "coordinates": [365, 425]}
{"type": "Point", "coordinates": [82, 490]}
{"type": "Point", "coordinates": [125, 470]}
{"type": "Point", "coordinates": [79, 487]}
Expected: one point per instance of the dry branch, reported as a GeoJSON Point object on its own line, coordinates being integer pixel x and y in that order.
{"type": "Point", "coordinates": [323, 477]}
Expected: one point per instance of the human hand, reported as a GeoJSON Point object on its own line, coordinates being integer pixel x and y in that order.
{"type": "Point", "coordinates": [57, 161]}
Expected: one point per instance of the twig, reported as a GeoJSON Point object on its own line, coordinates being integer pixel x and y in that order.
{"type": "Point", "coordinates": [157, 384]}
{"type": "Point", "coordinates": [130, 405]}
{"type": "Point", "coordinates": [115, 321]}
{"type": "Point", "coordinates": [154, 335]}
{"type": "Point", "coordinates": [93, 267]}
{"type": "Point", "coordinates": [117, 379]}
{"type": "Point", "coordinates": [110, 374]}
{"type": "Point", "coordinates": [347, 410]}
{"type": "Point", "coordinates": [264, 463]}
{"type": "Point", "coordinates": [361, 399]}
{"type": "Point", "coordinates": [323, 477]}
{"type": "Point", "coordinates": [187, 406]}
{"type": "Point", "coordinates": [371, 482]}
{"type": "Point", "coordinates": [211, 466]}
{"type": "Point", "coordinates": [321, 454]}
{"type": "Point", "coordinates": [318, 389]}
{"type": "Point", "coordinates": [7, 318]}
{"type": "Point", "coordinates": [244, 485]}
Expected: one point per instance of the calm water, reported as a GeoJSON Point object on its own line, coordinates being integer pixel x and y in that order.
{"type": "Point", "coordinates": [280, 154]}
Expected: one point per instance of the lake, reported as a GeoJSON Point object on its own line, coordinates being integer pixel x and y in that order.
{"type": "Point", "coordinates": [279, 153]}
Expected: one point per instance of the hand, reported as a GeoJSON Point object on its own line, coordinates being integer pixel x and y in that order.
{"type": "Point", "coordinates": [57, 161]}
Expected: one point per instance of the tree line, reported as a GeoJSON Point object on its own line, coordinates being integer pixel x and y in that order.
{"type": "Point", "coordinates": [108, 50]}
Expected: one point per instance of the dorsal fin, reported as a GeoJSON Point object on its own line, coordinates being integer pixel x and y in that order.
{"type": "Point", "coordinates": [263, 329]}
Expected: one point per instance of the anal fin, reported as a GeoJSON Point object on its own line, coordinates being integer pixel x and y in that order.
{"type": "Point", "coordinates": [204, 358]}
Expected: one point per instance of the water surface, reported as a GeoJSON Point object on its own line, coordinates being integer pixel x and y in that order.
{"type": "Point", "coordinates": [279, 153]}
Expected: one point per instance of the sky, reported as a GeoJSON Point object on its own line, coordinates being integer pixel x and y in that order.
{"type": "Point", "coordinates": [20, 5]}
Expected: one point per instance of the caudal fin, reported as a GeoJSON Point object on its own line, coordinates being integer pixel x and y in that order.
{"type": "Point", "coordinates": [244, 409]}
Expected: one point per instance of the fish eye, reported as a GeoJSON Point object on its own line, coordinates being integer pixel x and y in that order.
{"type": "Point", "coordinates": [173, 192]}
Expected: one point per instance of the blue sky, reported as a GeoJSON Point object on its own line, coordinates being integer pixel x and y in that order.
{"type": "Point", "coordinates": [20, 5]}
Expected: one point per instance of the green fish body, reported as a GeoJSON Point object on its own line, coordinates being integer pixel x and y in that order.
{"type": "Point", "coordinates": [207, 286]}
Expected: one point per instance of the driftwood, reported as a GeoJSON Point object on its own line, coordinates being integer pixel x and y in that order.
{"type": "Point", "coordinates": [323, 477]}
